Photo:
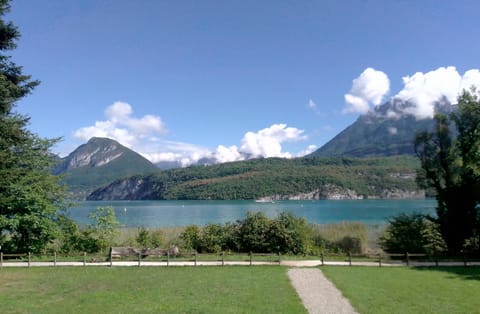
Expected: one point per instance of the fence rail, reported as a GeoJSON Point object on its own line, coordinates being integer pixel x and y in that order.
{"type": "Point", "coordinates": [225, 258]}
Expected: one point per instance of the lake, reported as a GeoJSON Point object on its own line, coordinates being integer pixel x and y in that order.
{"type": "Point", "coordinates": [182, 213]}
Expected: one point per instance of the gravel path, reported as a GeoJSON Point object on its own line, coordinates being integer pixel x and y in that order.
{"type": "Point", "coordinates": [318, 294]}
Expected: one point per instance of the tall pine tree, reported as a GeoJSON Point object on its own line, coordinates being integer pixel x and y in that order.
{"type": "Point", "coordinates": [30, 197]}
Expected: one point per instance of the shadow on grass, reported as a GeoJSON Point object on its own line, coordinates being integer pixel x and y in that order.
{"type": "Point", "coordinates": [466, 273]}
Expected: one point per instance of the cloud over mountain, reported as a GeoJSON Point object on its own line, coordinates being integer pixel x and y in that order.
{"type": "Point", "coordinates": [424, 89]}
{"type": "Point", "coordinates": [420, 90]}
{"type": "Point", "coordinates": [145, 135]}
{"type": "Point", "coordinates": [121, 126]}
{"type": "Point", "coordinates": [367, 89]}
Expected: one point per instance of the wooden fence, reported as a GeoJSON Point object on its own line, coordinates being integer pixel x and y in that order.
{"type": "Point", "coordinates": [166, 257]}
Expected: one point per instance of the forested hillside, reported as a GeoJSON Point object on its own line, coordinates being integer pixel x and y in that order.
{"type": "Point", "coordinates": [275, 178]}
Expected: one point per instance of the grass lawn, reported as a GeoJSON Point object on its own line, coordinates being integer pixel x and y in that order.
{"type": "Point", "coordinates": [147, 290]}
{"type": "Point", "coordinates": [409, 290]}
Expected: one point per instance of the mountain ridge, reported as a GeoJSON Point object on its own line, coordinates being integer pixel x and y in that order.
{"type": "Point", "coordinates": [99, 162]}
{"type": "Point", "coordinates": [388, 130]}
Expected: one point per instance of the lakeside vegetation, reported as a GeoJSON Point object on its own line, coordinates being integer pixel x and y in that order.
{"type": "Point", "coordinates": [277, 177]}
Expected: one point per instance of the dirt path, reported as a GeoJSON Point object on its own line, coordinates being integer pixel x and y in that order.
{"type": "Point", "coordinates": [318, 294]}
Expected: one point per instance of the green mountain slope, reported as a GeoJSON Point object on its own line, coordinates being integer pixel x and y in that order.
{"type": "Point", "coordinates": [275, 178]}
{"type": "Point", "coordinates": [386, 131]}
{"type": "Point", "coordinates": [99, 162]}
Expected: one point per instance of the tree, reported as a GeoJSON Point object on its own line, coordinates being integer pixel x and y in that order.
{"type": "Point", "coordinates": [450, 164]}
{"type": "Point", "coordinates": [30, 196]}
{"type": "Point", "coordinates": [104, 227]}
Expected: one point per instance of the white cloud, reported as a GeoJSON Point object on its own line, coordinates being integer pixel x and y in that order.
{"type": "Point", "coordinates": [144, 135]}
{"type": "Point", "coordinates": [122, 127]}
{"type": "Point", "coordinates": [227, 154]}
{"type": "Point", "coordinates": [424, 89]}
{"type": "Point", "coordinates": [184, 153]}
{"type": "Point", "coordinates": [268, 142]}
{"type": "Point", "coordinates": [367, 89]}
{"type": "Point", "coordinates": [310, 149]}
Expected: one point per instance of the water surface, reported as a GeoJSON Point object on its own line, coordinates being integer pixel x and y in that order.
{"type": "Point", "coordinates": [183, 213]}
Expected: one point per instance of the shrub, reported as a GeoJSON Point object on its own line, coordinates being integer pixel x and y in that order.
{"type": "Point", "coordinates": [253, 232]}
{"type": "Point", "coordinates": [191, 238]}
{"type": "Point", "coordinates": [412, 233]}
{"type": "Point", "coordinates": [288, 234]}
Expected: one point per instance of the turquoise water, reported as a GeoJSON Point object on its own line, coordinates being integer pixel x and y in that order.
{"type": "Point", "coordinates": [183, 213]}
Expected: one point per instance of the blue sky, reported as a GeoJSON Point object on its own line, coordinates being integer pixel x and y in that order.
{"type": "Point", "coordinates": [181, 80]}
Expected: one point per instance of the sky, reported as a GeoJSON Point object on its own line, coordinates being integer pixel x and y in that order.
{"type": "Point", "coordinates": [183, 80]}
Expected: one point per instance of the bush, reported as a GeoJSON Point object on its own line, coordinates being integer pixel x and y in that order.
{"type": "Point", "coordinates": [253, 233]}
{"type": "Point", "coordinates": [412, 233]}
{"type": "Point", "coordinates": [288, 234]}
{"type": "Point", "coordinates": [191, 238]}
{"type": "Point", "coordinates": [149, 239]}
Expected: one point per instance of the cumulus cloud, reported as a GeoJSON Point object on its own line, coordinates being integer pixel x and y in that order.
{"type": "Point", "coordinates": [422, 90]}
{"type": "Point", "coordinates": [145, 136]}
{"type": "Point", "coordinates": [368, 89]}
{"type": "Point", "coordinates": [121, 126]}
{"type": "Point", "coordinates": [268, 142]}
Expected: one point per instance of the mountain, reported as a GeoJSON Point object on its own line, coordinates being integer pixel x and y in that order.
{"type": "Point", "coordinates": [386, 131]}
{"type": "Point", "coordinates": [99, 162]}
{"type": "Point", "coordinates": [274, 179]}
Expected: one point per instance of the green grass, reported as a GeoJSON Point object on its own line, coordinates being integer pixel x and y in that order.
{"type": "Point", "coordinates": [409, 290]}
{"type": "Point", "coordinates": [148, 290]}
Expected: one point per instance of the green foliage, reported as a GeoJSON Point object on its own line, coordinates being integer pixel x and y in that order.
{"type": "Point", "coordinates": [412, 233]}
{"type": "Point", "coordinates": [104, 228]}
{"type": "Point", "coordinates": [288, 234]}
{"type": "Point", "coordinates": [30, 197]}
{"type": "Point", "coordinates": [253, 179]}
{"type": "Point", "coordinates": [191, 238]}
{"type": "Point", "coordinates": [450, 162]}
{"type": "Point", "coordinates": [255, 233]}
{"type": "Point", "coordinates": [149, 238]}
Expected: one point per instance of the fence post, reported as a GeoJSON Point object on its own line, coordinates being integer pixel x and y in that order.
{"type": "Point", "coordinates": [29, 258]}
{"type": "Point", "coordinates": [139, 258]}
{"type": "Point", "coordinates": [195, 258]}
{"type": "Point", "coordinates": [84, 258]}
{"type": "Point", "coordinates": [54, 259]}
{"type": "Point", "coordinates": [168, 258]}
{"type": "Point", "coordinates": [250, 258]}
{"type": "Point", "coordinates": [407, 258]}
{"type": "Point", "coordinates": [321, 258]}
{"type": "Point", "coordinates": [1, 259]}
{"type": "Point", "coordinates": [279, 259]}
{"type": "Point", "coordinates": [111, 257]}
{"type": "Point", "coordinates": [465, 260]}
{"type": "Point", "coordinates": [349, 259]}
{"type": "Point", "coordinates": [223, 258]}
{"type": "Point", "coordinates": [379, 259]}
